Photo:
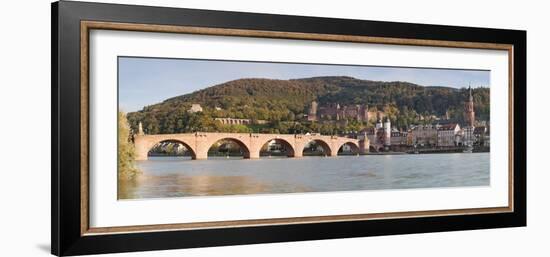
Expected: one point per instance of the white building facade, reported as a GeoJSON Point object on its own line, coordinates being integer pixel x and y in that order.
{"type": "Point", "coordinates": [447, 135]}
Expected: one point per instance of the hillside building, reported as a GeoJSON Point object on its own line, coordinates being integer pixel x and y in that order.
{"type": "Point", "coordinates": [337, 112]}
{"type": "Point", "coordinates": [234, 121]}
{"type": "Point", "coordinates": [195, 108]}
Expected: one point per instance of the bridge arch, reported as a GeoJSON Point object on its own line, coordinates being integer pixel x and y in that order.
{"type": "Point", "coordinates": [354, 148]}
{"type": "Point", "coordinates": [290, 151]}
{"type": "Point", "coordinates": [159, 143]}
{"type": "Point", "coordinates": [244, 148]}
{"type": "Point", "coordinates": [250, 144]}
{"type": "Point", "coordinates": [327, 150]}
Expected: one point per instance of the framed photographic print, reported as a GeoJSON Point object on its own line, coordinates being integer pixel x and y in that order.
{"type": "Point", "coordinates": [178, 128]}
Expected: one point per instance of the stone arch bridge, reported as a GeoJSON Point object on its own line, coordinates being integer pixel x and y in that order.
{"type": "Point", "coordinates": [251, 143]}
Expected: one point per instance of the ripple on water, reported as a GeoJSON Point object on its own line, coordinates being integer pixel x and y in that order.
{"type": "Point", "coordinates": [179, 177]}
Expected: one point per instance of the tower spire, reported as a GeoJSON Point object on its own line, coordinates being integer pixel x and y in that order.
{"type": "Point", "coordinates": [469, 114]}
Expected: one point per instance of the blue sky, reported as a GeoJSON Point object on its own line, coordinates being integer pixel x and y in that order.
{"type": "Point", "coordinates": [146, 81]}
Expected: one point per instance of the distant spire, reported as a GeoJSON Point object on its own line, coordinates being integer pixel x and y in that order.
{"type": "Point", "coordinates": [140, 129]}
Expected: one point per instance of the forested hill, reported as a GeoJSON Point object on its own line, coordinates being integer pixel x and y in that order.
{"type": "Point", "coordinates": [289, 100]}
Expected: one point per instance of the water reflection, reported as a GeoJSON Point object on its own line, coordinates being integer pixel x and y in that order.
{"type": "Point", "coordinates": [179, 176]}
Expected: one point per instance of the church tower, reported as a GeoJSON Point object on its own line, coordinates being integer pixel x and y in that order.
{"type": "Point", "coordinates": [387, 132]}
{"type": "Point", "coordinates": [469, 114]}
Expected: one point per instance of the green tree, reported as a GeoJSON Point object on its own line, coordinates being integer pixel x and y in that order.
{"type": "Point", "coordinates": [282, 102]}
{"type": "Point", "coordinates": [126, 154]}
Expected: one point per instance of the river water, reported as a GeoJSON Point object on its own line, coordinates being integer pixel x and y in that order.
{"type": "Point", "coordinates": [180, 176]}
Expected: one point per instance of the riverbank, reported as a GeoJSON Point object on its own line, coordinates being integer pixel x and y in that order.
{"type": "Point", "coordinates": [439, 150]}
{"type": "Point", "coordinates": [411, 151]}
{"type": "Point", "coordinates": [386, 153]}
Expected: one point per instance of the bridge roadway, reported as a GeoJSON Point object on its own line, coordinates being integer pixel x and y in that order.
{"type": "Point", "coordinates": [251, 143]}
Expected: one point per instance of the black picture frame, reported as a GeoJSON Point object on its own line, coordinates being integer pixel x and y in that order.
{"type": "Point", "coordinates": [66, 234]}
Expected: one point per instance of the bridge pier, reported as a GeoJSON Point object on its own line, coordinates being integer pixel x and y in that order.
{"type": "Point", "coordinates": [201, 156]}
{"type": "Point", "coordinates": [252, 155]}
{"type": "Point", "coordinates": [141, 145]}
{"type": "Point", "coordinates": [141, 155]}
{"type": "Point", "coordinates": [364, 145]}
